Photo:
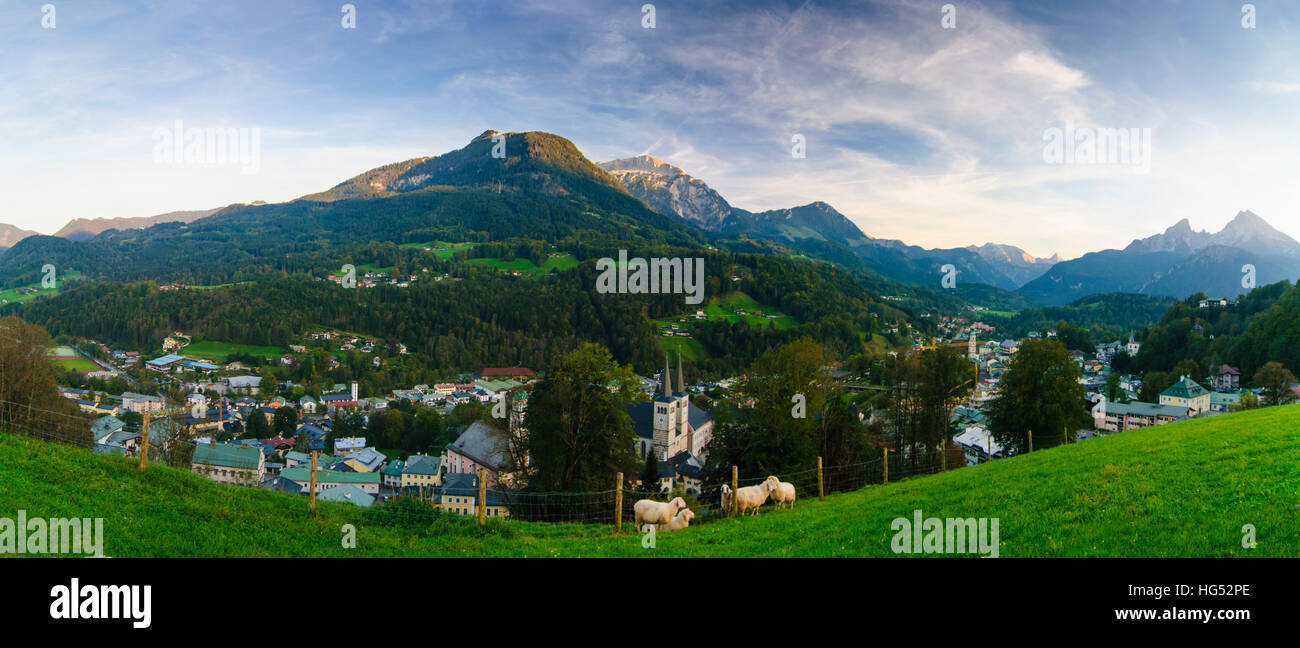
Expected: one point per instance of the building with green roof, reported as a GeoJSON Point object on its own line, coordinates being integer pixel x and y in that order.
{"type": "Point", "coordinates": [1187, 393]}
{"type": "Point", "coordinates": [230, 464]}
{"type": "Point", "coordinates": [367, 482]}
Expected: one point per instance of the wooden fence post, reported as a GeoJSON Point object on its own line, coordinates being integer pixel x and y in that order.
{"type": "Point", "coordinates": [311, 503]}
{"type": "Point", "coordinates": [1031, 440]}
{"type": "Point", "coordinates": [482, 497]}
{"type": "Point", "coordinates": [618, 505]}
{"type": "Point", "coordinates": [1065, 436]}
{"type": "Point", "coordinates": [735, 484]}
{"type": "Point", "coordinates": [886, 465]}
{"type": "Point", "coordinates": [821, 484]}
{"type": "Point", "coordinates": [144, 440]}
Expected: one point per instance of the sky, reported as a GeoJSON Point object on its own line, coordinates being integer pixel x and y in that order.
{"type": "Point", "coordinates": [929, 122]}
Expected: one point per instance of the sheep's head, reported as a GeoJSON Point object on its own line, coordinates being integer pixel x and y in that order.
{"type": "Point", "coordinates": [687, 514]}
{"type": "Point", "coordinates": [678, 502]}
{"type": "Point", "coordinates": [772, 483]}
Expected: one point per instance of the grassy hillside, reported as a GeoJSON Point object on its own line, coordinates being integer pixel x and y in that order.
{"type": "Point", "coordinates": [1179, 490]}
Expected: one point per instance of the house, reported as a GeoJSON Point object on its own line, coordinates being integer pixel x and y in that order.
{"type": "Point", "coordinates": [348, 493]}
{"type": "Point", "coordinates": [368, 482]}
{"type": "Point", "coordinates": [1220, 402]}
{"type": "Point", "coordinates": [1118, 417]}
{"type": "Point", "coordinates": [391, 474]}
{"type": "Point", "coordinates": [1186, 393]}
{"type": "Point", "coordinates": [348, 445]}
{"type": "Point", "coordinates": [166, 363]}
{"type": "Point", "coordinates": [421, 471]}
{"type": "Point", "coordinates": [1225, 379]}
{"type": "Point", "coordinates": [141, 403]}
{"type": "Point", "coordinates": [244, 384]}
{"type": "Point", "coordinates": [460, 495]}
{"type": "Point", "coordinates": [364, 460]}
{"type": "Point", "coordinates": [230, 464]}
{"type": "Point", "coordinates": [978, 444]}
{"type": "Point", "coordinates": [104, 427]}
{"type": "Point", "coordinates": [307, 405]}
{"type": "Point", "coordinates": [506, 372]}
{"type": "Point", "coordinates": [480, 447]}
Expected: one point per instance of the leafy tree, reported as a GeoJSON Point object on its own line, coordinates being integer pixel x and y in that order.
{"type": "Point", "coordinates": [579, 432]}
{"type": "Point", "coordinates": [285, 421]}
{"type": "Point", "coordinates": [1039, 391]}
{"type": "Point", "coordinates": [1276, 380]}
{"type": "Point", "coordinates": [29, 399]}
{"type": "Point", "coordinates": [255, 425]}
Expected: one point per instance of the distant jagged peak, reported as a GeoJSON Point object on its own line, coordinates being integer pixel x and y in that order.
{"type": "Point", "coordinates": [646, 163]}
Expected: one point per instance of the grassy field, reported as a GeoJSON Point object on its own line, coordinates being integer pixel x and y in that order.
{"type": "Point", "coordinates": [440, 249]}
{"type": "Point", "coordinates": [1184, 489]}
{"type": "Point", "coordinates": [559, 263]}
{"type": "Point", "coordinates": [218, 351]}
{"type": "Point", "coordinates": [77, 364]}
{"type": "Point", "coordinates": [720, 308]}
{"type": "Point", "coordinates": [32, 291]}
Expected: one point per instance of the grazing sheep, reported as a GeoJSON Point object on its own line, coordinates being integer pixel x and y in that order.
{"type": "Point", "coordinates": [652, 512]}
{"type": "Point", "coordinates": [681, 521]}
{"type": "Point", "coordinates": [783, 494]}
{"type": "Point", "coordinates": [752, 497]}
{"type": "Point", "coordinates": [726, 498]}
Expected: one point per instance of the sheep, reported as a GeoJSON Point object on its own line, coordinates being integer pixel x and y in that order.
{"type": "Point", "coordinates": [656, 513]}
{"type": "Point", "coordinates": [726, 498]}
{"type": "Point", "coordinates": [681, 521]}
{"type": "Point", "coordinates": [752, 497]}
{"type": "Point", "coordinates": [783, 494]}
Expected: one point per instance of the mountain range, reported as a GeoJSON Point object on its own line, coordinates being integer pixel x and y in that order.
{"type": "Point", "coordinates": [1177, 263]}
{"type": "Point", "coordinates": [623, 192]}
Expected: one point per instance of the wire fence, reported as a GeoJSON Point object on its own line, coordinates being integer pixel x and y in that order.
{"type": "Point", "coordinates": [708, 499]}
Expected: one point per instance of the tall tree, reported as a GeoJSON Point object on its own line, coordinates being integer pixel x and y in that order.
{"type": "Point", "coordinates": [579, 432]}
{"type": "Point", "coordinates": [1040, 391]}
{"type": "Point", "coordinates": [29, 399]}
{"type": "Point", "coordinates": [1276, 380]}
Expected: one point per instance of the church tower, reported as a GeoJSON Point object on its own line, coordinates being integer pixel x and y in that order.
{"type": "Point", "coordinates": [972, 348]}
{"type": "Point", "coordinates": [665, 416]}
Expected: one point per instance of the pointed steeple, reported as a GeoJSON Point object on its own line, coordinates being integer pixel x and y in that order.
{"type": "Point", "coordinates": [668, 381]}
{"type": "Point", "coordinates": [681, 380]}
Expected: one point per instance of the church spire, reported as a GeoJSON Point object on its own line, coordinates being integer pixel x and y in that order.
{"type": "Point", "coordinates": [668, 388]}
{"type": "Point", "coordinates": [681, 377]}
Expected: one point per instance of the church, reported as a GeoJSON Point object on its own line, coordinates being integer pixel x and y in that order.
{"type": "Point", "coordinates": [671, 424]}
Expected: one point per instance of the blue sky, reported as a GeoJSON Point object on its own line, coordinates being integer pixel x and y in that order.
{"type": "Point", "coordinates": [917, 132]}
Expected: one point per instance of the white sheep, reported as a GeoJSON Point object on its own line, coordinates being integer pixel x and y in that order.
{"type": "Point", "coordinates": [752, 497]}
{"type": "Point", "coordinates": [652, 512]}
{"type": "Point", "coordinates": [680, 521]}
{"type": "Point", "coordinates": [783, 494]}
{"type": "Point", "coordinates": [726, 498]}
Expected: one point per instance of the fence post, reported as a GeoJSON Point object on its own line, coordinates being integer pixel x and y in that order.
{"type": "Point", "coordinates": [821, 483]}
{"type": "Point", "coordinates": [943, 453]}
{"type": "Point", "coordinates": [618, 505]}
{"type": "Point", "coordinates": [1065, 436]}
{"type": "Point", "coordinates": [886, 465]}
{"type": "Point", "coordinates": [482, 497]}
{"type": "Point", "coordinates": [144, 440]}
{"type": "Point", "coordinates": [735, 484]}
{"type": "Point", "coordinates": [311, 503]}
{"type": "Point", "coordinates": [1031, 440]}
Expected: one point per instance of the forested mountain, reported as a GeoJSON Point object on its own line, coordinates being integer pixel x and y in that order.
{"type": "Point", "coordinates": [542, 198]}
{"type": "Point", "coordinates": [1261, 326]}
{"type": "Point", "coordinates": [1107, 317]}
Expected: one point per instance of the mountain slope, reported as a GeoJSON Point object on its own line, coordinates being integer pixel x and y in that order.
{"type": "Point", "coordinates": [669, 190]}
{"type": "Point", "coordinates": [10, 235]}
{"type": "Point", "coordinates": [1176, 263]}
{"type": "Point", "coordinates": [80, 229]}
